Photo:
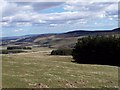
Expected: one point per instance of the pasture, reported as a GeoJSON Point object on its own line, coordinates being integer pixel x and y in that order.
{"type": "Point", "coordinates": [39, 69]}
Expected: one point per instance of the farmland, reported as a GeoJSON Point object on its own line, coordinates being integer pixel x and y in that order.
{"type": "Point", "coordinates": [39, 69]}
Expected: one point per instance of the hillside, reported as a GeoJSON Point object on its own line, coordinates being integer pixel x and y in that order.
{"type": "Point", "coordinates": [57, 40]}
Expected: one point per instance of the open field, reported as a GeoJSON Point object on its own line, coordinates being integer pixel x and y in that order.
{"type": "Point", "coordinates": [39, 69]}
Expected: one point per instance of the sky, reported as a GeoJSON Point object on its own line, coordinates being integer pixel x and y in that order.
{"type": "Point", "coordinates": [56, 16]}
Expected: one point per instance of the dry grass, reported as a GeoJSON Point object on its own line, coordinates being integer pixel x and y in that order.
{"type": "Point", "coordinates": [38, 69]}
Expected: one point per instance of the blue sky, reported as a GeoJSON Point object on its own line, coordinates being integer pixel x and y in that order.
{"type": "Point", "coordinates": [23, 18]}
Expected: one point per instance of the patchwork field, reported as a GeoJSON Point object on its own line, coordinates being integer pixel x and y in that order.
{"type": "Point", "coordinates": [38, 69]}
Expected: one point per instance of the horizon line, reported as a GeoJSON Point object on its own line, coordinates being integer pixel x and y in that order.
{"type": "Point", "coordinates": [98, 30]}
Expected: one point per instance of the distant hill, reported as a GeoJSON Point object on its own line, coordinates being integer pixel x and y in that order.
{"type": "Point", "coordinates": [56, 40]}
{"type": "Point", "coordinates": [116, 30]}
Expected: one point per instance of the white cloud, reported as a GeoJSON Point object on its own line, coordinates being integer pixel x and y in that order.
{"type": "Point", "coordinates": [5, 24]}
{"type": "Point", "coordinates": [21, 24]}
{"type": "Point", "coordinates": [53, 25]}
{"type": "Point", "coordinates": [97, 9]}
{"type": "Point", "coordinates": [57, 18]}
{"type": "Point", "coordinates": [63, 0]}
{"type": "Point", "coordinates": [11, 8]}
{"type": "Point", "coordinates": [23, 17]}
{"type": "Point", "coordinates": [18, 30]}
{"type": "Point", "coordinates": [89, 1]}
{"type": "Point", "coordinates": [44, 5]}
{"type": "Point", "coordinates": [27, 13]}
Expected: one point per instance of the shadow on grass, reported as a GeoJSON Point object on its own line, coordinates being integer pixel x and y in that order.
{"type": "Point", "coordinates": [94, 63]}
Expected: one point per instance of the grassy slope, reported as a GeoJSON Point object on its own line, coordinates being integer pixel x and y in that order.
{"type": "Point", "coordinates": [57, 42]}
{"type": "Point", "coordinates": [39, 69]}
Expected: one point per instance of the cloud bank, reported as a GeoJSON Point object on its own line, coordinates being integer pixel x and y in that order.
{"type": "Point", "coordinates": [19, 14]}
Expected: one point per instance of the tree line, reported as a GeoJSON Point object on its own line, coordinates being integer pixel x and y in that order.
{"type": "Point", "coordinates": [97, 50]}
{"type": "Point", "coordinates": [103, 50]}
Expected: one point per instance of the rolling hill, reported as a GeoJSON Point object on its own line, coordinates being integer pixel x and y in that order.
{"type": "Point", "coordinates": [56, 40]}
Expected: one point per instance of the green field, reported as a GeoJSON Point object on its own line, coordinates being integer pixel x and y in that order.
{"type": "Point", "coordinates": [38, 69]}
